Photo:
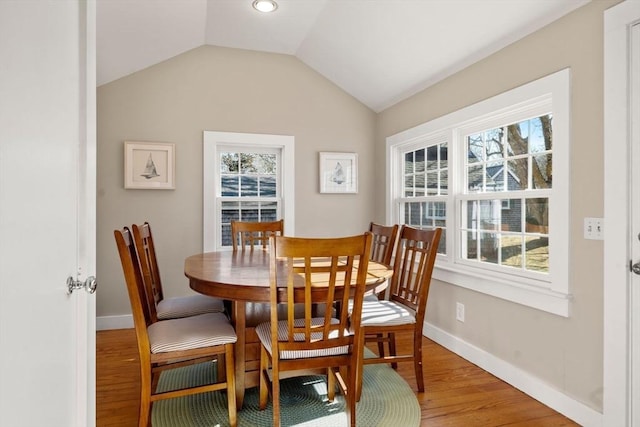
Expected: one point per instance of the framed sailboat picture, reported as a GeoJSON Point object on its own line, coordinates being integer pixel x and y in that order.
{"type": "Point", "coordinates": [149, 165]}
{"type": "Point", "coordinates": [338, 172]}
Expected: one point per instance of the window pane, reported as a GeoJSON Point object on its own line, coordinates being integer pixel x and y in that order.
{"type": "Point", "coordinates": [537, 215]}
{"type": "Point", "coordinates": [511, 215]}
{"type": "Point", "coordinates": [268, 211]}
{"type": "Point", "coordinates": [229, 212]}
{"type": "Point", "coordinates": [229, 162]}
{"type": "Point", "coordinates": [518, 138]}
{"type": "Point", "coordinates": [489, 247]}
{"type": "Point", "coordinates": [229, 185]}
{"type": "Point", "coordinates": [226, 235]}
{"type": "Point", "coordinates": [475, 148]}
{"type": "Point", "coordinates": [537, 254]}
{"type": "Point", "coordinates": [408, 185]}
{"type": "Point", "coordinates": [419, 185]}
{"type": "Point", "coordinates": [267, 186]}
{"type": "Point", "coordinates": [444, 182]}
{"type": "Point", "coordinates": [444, 156]}
{"type": "Point", "coordinates": [246, 163]}
{"type": "Point", "coordinates": [542, 171]}
{"type": "Point", "coordinates": [435, 211]}
{"type": "Point", "coordinates": [475, 181]}
{"type": "Point", "coordinates": [249, 186]}
{"type": "Point", "coordinates": [432, 183]}
{"type": "Point", "coordinates": [472, 215]}
{"type": "Point", "coordinates": [432, 158]}
{"type": "Point", "coordinates": [412, 214]}
{"type": "Point", "coordinates": [541, 134]}
{"type": "Point", "coordinates": [471, 252]}
{"type": "Point", "coordinates": [489, 214]}
{"type": "Point", "coordinates": [265, 164]}
{"type": "Point", "coordinates": [495, 176]}
{"type": "Point", "coordinates": [493, 144]}
{"type": "Point", "coordinates": [518, 176]}
{"type": "Point", "coordinates": [249, 212]}
{"type": "Point", "coordinates": [408, 163]}
{"type": "Point", "coordinates": [511, 251]}
{"type": "Point", "coordinates": [419, 161]}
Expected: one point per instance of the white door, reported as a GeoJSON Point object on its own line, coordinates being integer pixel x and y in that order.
{"type": "Point", "coordinates": [621, 291]}
{"type": "Point", "coordinates": [634, 290]}
{"type": "Point", "coordinates": [47, 212]}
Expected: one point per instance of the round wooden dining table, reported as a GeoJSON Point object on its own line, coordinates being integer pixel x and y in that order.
{"type": "Point", "coordinates": [243, 276]}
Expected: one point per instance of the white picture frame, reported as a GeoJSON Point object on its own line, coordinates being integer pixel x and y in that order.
{"type": "Point", "coordinates": [149, 165]}
{"type": "Point", "coordinates": [338, 172]}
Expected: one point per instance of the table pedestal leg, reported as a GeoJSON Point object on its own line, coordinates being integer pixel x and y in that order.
{"type": "Point", "coordinates": [239, 319]}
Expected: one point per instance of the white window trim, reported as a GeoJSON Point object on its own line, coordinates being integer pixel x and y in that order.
{"type": "Point", "coordinates": [554, 89]}
{"type": "Point", "coordinates": [212, 141]}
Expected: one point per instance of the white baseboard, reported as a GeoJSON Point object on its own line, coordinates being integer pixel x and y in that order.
{"type": "Point", "coordinates": [114, 322]}
{"type": "Point", "coordinates": [516, 377]}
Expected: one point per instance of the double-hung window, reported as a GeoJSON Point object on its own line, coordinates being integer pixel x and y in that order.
{"type": "Point", "coordinates": [244, 180]}
{"type": "Point", "coordinates": [495, 177]}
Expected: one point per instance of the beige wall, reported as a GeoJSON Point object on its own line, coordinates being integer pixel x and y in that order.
{"type": "Point", "coordinates": [211, 88]}
{"type": "Point", "coordinates": [567, 353]}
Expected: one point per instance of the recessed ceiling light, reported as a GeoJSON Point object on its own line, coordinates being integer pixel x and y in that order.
{"type": "Point", "coordinates": [265, 6]}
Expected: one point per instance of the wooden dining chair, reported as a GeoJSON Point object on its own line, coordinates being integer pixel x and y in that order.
{"type": "Point", "coordinates": [173, 343]}
{"type": "Point", "coordinates": [309, 272]}
{"type": "Point", "coordinates": [167, 308]}
{"type": "Point", "coordinates": [245, 233]}
{"type": "Point", "coordinates": [404, 310]}
{"type": "Point", "coordinates": [383, 243]}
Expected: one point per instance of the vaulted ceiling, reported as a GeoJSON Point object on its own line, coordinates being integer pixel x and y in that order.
{"type": "Point", "coordinates": [379, 51]}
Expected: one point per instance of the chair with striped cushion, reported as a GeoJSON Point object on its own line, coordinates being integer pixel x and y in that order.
{"type": "Point", "coordinates": [310, 272]}
{"type": "Point", "coordinates": [251, 234]}
{"type": "Point", "coordinates": [404, 310]}
{"type": "Point", "coordinates": [172, 343]}
{"type": "Point", "coordinates": [174, 307]}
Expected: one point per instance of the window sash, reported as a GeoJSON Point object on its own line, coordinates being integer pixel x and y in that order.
{"type": "Point", "coordinates": [268, 206]}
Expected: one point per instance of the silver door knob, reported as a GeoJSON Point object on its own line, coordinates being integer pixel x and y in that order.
{"type": "Point", "coordinates": [636, 268]}
{"type": "Point", "coordinates": [88, 285]}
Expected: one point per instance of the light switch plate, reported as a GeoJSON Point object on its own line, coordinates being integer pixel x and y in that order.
{"type": "Point", "coordinates": [594, 228]}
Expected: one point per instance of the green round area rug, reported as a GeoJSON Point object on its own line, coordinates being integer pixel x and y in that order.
{"type": "Point", "coordinates": [387, 400]}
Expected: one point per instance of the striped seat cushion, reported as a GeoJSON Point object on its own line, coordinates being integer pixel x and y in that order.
{"type": "Point", "coordinates": [264, 334]}
{"type": "Point", "coordinates": [191, 305]}
{"type": "Point", "coordinates": [381, 313]}
{"type": "Point", "coordinates": [187, 333]}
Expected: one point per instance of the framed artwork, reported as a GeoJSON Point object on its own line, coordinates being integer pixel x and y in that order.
{"type": "Point", "coordinates": [338, 172]}
{"type": "Point", "coordinates": [149, 165]}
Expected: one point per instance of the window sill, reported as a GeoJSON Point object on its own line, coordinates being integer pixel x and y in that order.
{"type": "Point", "coordinates": [541, 299]}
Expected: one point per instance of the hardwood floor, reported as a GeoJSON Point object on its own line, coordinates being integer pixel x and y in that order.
{"type": "Point", "coordinates": [457, 393]}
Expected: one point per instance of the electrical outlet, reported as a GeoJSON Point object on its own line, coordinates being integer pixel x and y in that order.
{"type": "Point", "coordinates": [594, 228]}
{"type": "Point", "coordinates": [459, 312]}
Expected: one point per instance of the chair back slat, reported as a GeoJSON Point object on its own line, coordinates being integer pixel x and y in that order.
{"type": "Point", "coordinates": [383, 243]}
{"type": "Point", "coordinates": [143, 240]}
{"type": "Point", "coordinates": [322, 272]}
{"type": "Point", "coordinates": [413, 266]}
{"type": "Point", "coordinates": [245, 233]}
